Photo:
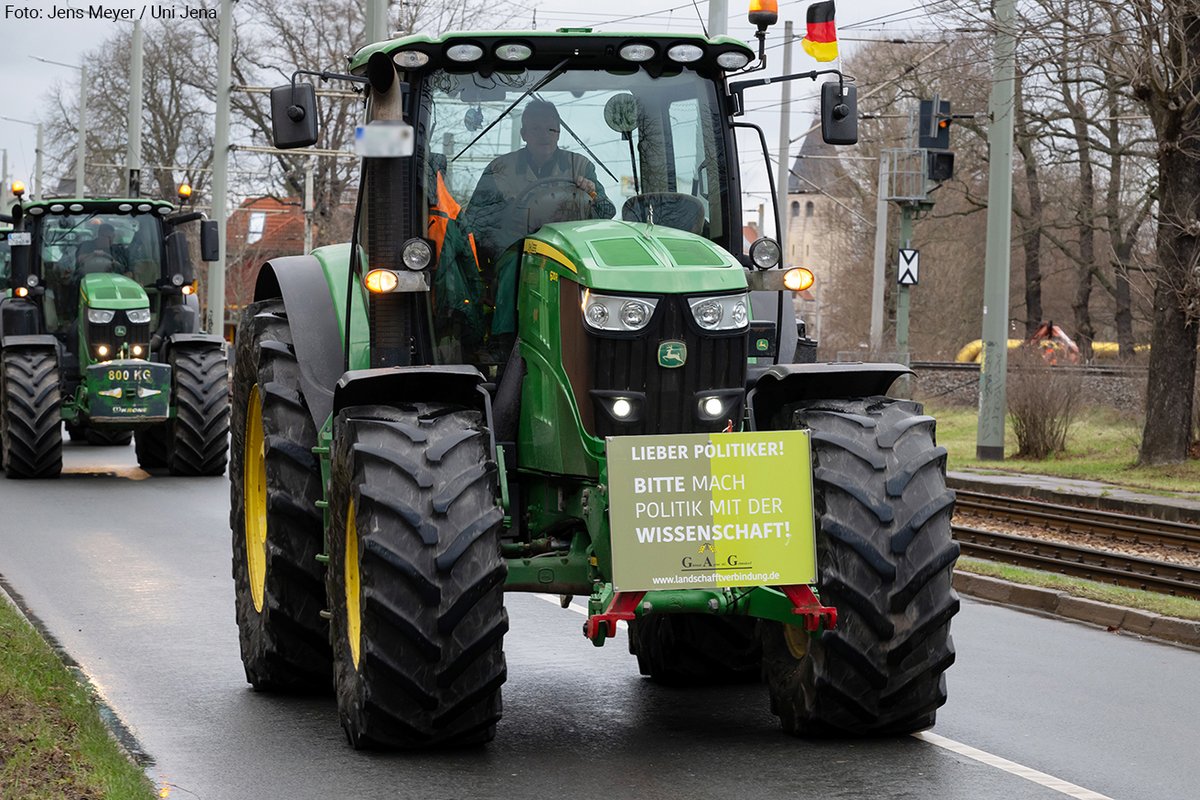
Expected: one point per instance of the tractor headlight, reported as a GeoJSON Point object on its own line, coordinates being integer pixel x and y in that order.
{"type": "Point", "coordinates": [31, 281]}
{"type": "Point", "coordinates": [513, 51]}
{"type": "Point", "coordinates": [102, 350]}
{"type": "Point", "coordinates": [100, 316]}
{"type": "Point", "coordinates": [139, 316]}
{"type": "Point", "coordinates": [733, 59]}
{"type": "Point", "coordinates": [724, 313]}
{"type": "Point", "coordinates": [137, 350]}
{"type": "Point", "coordinates": [417, 254]}
{"type": "Point", "coordinates": [637, 52]}
{"type": "Point", "coordinates": [798, 279]}
{"type": "Point", "coordinates": [765, 253]}
{"type": "Point", "coordinates": [685, 53]}
{"type": "Point", "coordinates": [617, 314]}
{"type": "Point", "coordinates": [464, 52]}
{"type": "Point", "coordinates": [410, 59]}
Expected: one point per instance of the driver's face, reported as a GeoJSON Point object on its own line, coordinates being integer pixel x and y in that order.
{"type": "Point", "coordinates": [540, 133]}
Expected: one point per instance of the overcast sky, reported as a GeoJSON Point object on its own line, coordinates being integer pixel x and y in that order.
{"type": "Point", "coordinates": [26, 83]}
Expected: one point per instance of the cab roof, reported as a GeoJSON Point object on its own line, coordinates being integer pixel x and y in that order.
{"type": "Point", "coordinates": [554, 44]}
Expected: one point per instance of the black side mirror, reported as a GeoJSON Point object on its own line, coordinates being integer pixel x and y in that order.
{"type": "Point", "coordinates": [839, 113]}
{"type": "Point", "coordinates": [210, 240]}
{"type": "Point", "coordinates": [294, 115]}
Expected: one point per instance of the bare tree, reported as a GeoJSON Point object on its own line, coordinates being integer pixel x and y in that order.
{"type": "Point", "coordinates": [1163, 52]}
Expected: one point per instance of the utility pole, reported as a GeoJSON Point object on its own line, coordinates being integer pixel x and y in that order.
{"type": "Point", "coordinates": [781, 183]}
{"type": "Point", "coordinates": [880, 276]}
{"type": "Point", "coordinates": [133, 149]}
{"type": "Point", "coordinates": [81, 147]}
{"type": "Point", "coordinates": [902, 298]}
{"type": "Point", "coordinates": [216, 270]}
{"type": "Point", "coordinates": [718, 18]}
{"type": "Point", "coordinates": [308, 204]}
{"type": "Point", "coordinates": [989, 441]}
{"type": "Point", "coordinates": [377, 20]}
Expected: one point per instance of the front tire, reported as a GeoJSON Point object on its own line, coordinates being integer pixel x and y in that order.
{"type": "Point", "coordinates": [415, 578]}
{"type": "Point", "coordinates": [885, 560]}
{"type": "Point", "coordinates": [199, 441]}
{"type": "Point", "coordinates": [275, 484]}
{"type": "Point", "coordinates": [30, 417]}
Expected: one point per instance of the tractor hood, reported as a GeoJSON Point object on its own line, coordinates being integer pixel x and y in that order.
{"type": "Point", "coordinates": [627, 257]}
{"type": "Point", "coordinates": [104, 290]}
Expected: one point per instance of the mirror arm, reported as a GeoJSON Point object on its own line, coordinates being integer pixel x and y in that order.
{"type": "Point", "coordinates": [179, 219]}
{"type": "Point", "coordinates": [7, 218]}
{"type": "Point", "coordinates": [738, 88]}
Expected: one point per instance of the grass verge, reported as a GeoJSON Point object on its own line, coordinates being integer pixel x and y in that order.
{"type": "Point", "coordinates": [1102, 445]}
{"type": "Point", "coordinates": [1166, 605]}
{"type": "Point", "coordinates": [53, 745]}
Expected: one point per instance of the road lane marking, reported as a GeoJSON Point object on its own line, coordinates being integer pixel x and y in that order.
{"type": "Point", "coordinates": [1011, 767]}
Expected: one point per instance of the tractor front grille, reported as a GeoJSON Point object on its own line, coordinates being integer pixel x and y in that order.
{"type": "Point", "coordinates": [106, 334]}
{"type": "Point", "coordinates": [667, 400]}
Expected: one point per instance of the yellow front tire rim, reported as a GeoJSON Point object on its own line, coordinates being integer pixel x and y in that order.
{"type": "Point", "coordinates": [254, 496]}
{"type": "Point", "coordinates": [353, 609]}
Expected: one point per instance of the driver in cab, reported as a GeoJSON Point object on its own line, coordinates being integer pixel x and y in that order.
{"type": "Point", "coordinates": [520, 191]}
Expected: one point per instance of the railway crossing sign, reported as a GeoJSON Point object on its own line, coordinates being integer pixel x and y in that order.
{"type": "Point", "coordinates": [910, 261]}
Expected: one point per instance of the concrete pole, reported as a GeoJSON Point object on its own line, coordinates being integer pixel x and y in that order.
{"type": "Point", "coordinates": [4, 177]}
{"type": "Point", "coordinates": [308, 204]}
{"type": "Point", "coordinates": [989, 440]}
{"type": "Point", "coordinates": [782, 179]}
{"type": "Point", "coordinates": [877, 283]}
{"type": "Point", "coordinates": [718, 18]}
{"type": "Point", "coordinates": [38, 174]}
{"type": "Point", "coordinates": [133, 148]}
{"type": "Point", "coordinates": [216, 269]}
{"type": "Point", "coordinates": [901, 388]}
{"type": "Point", "coordinates": [377, 20]}
{"type": "Point", "coordinates": [81, 147]}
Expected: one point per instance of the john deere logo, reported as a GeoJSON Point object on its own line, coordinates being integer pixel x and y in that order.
{"type": "Point", "coordinates": [119, 330]}
{"type": "Point", "coordinates": [672, 354]}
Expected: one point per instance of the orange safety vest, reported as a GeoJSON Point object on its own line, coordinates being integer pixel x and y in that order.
{"type": "Point", "coordinates": [446, 209]}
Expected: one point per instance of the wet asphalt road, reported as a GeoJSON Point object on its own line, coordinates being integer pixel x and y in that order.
{"type": "Point", "coordinates": [131, 575]}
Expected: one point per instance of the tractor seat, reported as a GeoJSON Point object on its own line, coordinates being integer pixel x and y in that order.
{"type": "Point", "coordinates": [672, 209]}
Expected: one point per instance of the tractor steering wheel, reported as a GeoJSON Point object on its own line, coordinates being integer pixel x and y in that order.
{"type": "Point", "coordinates": [553, 200]}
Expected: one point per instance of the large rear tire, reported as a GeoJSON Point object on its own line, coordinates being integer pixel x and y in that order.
{"type": "Point", "coordinates": [199, 440]}
{"type": "Point", "coordinates": [275, 483]}
{"type": "Point", "coordinates": [30, 408]}
{"type": "Point", "coordinates": [696, 649]}
{"type": "Point", "coordinates": [415, 580]}
{"type": "Point", "coordinates": [885, 561]}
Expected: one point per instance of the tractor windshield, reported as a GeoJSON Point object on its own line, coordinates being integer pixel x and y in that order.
{"type": "Point", "coordinates": [5, 261]}
{"type": "Point", "coordinates": [584, 144]}
{"type": "Point", "coordinates": [73, 245]}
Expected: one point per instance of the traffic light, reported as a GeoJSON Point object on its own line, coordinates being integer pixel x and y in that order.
{"type": "Point", "coordinates": [933, 129]}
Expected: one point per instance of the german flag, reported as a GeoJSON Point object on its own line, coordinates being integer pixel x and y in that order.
{"type": "Point", "coordinates": [820, 41]}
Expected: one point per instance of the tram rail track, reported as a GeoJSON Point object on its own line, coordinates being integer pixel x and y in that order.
{"type": "Point", "coordinates": [1025, 548]}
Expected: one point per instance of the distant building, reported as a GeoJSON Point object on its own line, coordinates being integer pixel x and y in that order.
{"type": "Point", "coordinates": [259, 229]}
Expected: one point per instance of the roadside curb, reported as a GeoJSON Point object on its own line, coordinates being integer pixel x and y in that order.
{"type": "Point", "coordinates": [1116, 619]}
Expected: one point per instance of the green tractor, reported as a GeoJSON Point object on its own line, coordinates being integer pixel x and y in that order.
{"type": "Point", "coordinates": [503, 383]}
{"type": "Point", "coordinates": [101, 332]}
